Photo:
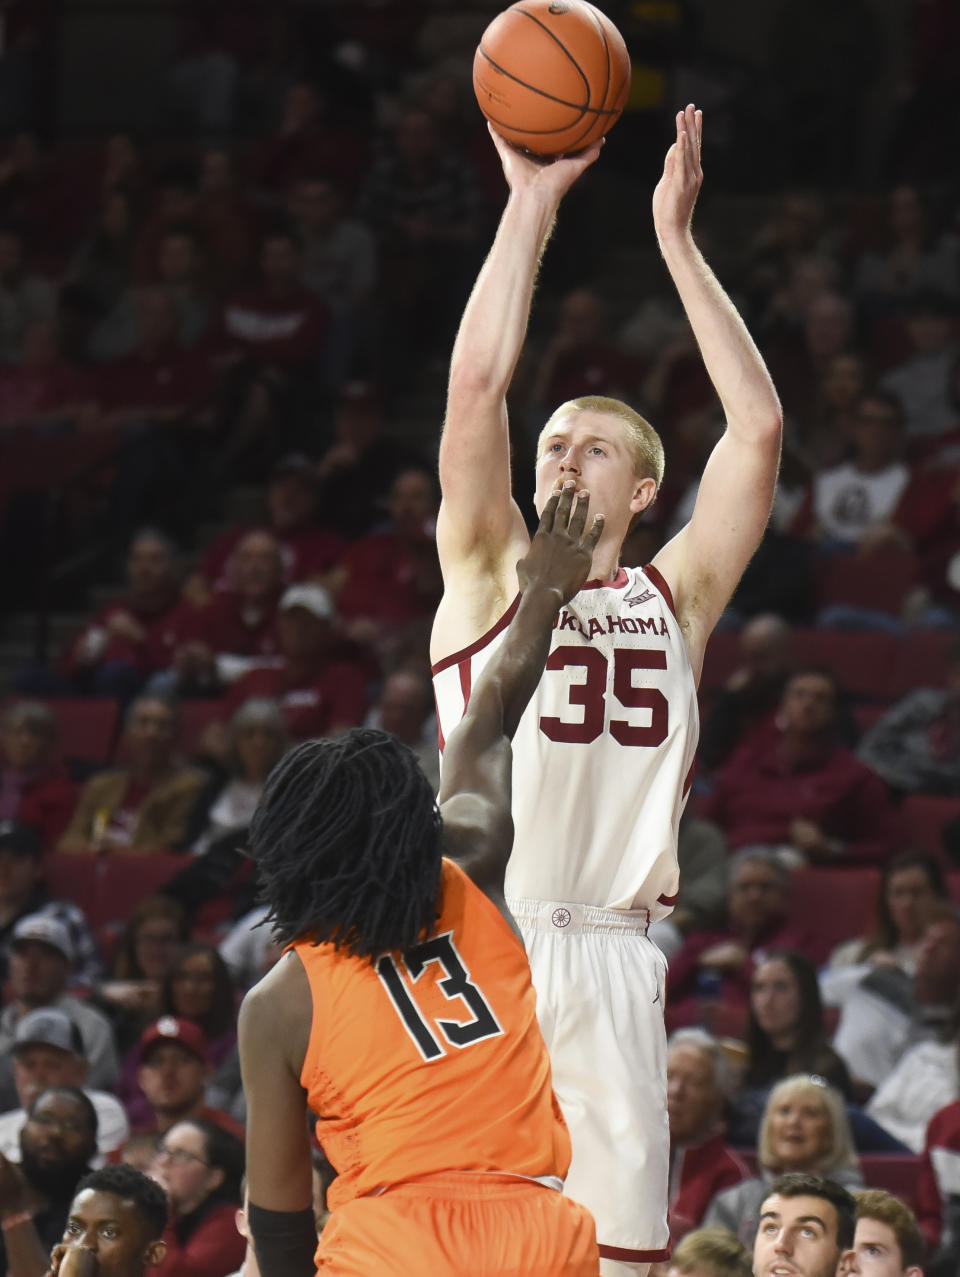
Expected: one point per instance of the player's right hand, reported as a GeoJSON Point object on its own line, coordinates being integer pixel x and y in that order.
{"type": "Point", "coordinates": [553, 177]}
{"type": "Point", "coordinates": [561, 552]}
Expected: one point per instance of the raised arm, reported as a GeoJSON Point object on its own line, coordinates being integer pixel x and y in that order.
{"type": "Point", "coordinates": [480, 531]}
{"type": "Point", "coordinates": [475, 791]}
{"type": "Point", "coordinates": [706, 559]}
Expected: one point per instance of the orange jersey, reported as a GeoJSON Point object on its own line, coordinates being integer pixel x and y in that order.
{"type": "Point", "coordinates": [431, 1060]}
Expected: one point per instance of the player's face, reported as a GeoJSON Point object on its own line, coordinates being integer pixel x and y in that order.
{"type": "Point", "coordinates": [799, 1131]}
{"type": "Point", "coordinates": [797, 1237]}
{"type": "Point", "coordinates": [590, 448]}
{"type": "Point", "coordinates": [112, 1228]}
{"type": "Point", "coordinates": [876, 1252]}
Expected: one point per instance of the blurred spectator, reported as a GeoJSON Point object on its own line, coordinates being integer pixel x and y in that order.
{"type": "Point", "coordinates": [227, 218]}
{"type": "Point", "coordinates": [698, 1084]}
{"type": "Point", "coordinates": [255, 740]}
{"type": "Point", "coordinates": [320, 689]}
{"type": "Point", "coordinates": [23, 894]}
{"type": "Point", "coordinates": [358, 468]}
{"type": "Point", "coordinates": [391, 577]}
{"type": "Point", "coordinates": [136, 635]}
{"type": "Point", "coordinates": [710, 1252]}
{"type": "Point", "coordinates": [887, 1231]}
{"type": "Point", "coordinates": [925, 1078]}
{"type": "Point", "coordinates": [825, 438]}
{"type": "Point", "coordinates": [34, 787]}
{"type": "Point", "coordinates": [307, 142]}
{"type": "Point", "coordinates": [246, 948]}
{"type": "Point", "coordinates": [198, 988]}
{"type": "Point", "coordinates": [912, 884]}
{"type": "Point", "coordinates": [889, 1011]}
{"type": "Point", "coordinates": [24, 297]}
{"type": "Point", "coordinates": [405, 708]}
{"type": "Point", "coordinates": [99, 270]}
{"type": "Point", "coordinates": [799, 364]}
{"type": "Point", "coordinates": [751, 694]}
{"type": "Point", "coordinates": [145, 950]}
{"type": "Point", "coordinates": [579, 357]}
{"type": "Point", "coordinates": [48, 1052]}
{"type": "Point", "coordinates": [716, 967]}
{"type": "Point", "coordinates": [785, 1034]}
{"type": "Point", "coordinates": [41, 961]}
{"type": "Point", "coordinates": [174, 1067]}
{"type": "Point", "coordinates": [308, 550]}
{"type": "Point", "coordinates": [43, 389]}
{"type": "Point", "coordinates": [200, 1167]}
{"type": "Point", "coordinates": [921, 381]}
{"type": "Point", "coordinates": [802, 791]}
{"type": "Point", "coordinates": [143, 805]}
{"type": "Point", "coordinates": [173, 204]}
{"type": "Point", "coordinates": [804, 1128]}
{"type": "Point", "coordinates": [915, 746]}
{"type": "Point", "coordinates": [339, 263]}
{"type": "Point", "coordinates": [850, 501]}
{"type": "Point", "coordinates": [796, 230]}
{"type": "Point", "coordinates": [701, 900]}
{"type": "Point", "coordinates": [423, 202]}
{"type": "Point", "coordinates": [237, 629]}
{"type": "Point", "coordinates": [914, 257]}
{"type": "Point", "coordinates": [938, 1186]}
{"type": "Point", "coordinates": [57, 1143]}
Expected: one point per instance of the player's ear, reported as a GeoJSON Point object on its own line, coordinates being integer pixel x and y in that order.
{"type": "Point", "coordinates": [155, 1254]}
{"type": "Point", "coordinates": [644, 495]}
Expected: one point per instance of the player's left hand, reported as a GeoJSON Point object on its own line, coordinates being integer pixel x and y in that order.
{"type": "Point", "coordinates": [561, 552]}
{"type": "Point", "coordinates": [676, 192]}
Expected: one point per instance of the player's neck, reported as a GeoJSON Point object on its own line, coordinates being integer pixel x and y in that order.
{"type": "Point", "coordinates": [605, 563]}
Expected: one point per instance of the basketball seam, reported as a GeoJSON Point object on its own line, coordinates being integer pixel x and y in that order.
{"type": "Point", "coordinates": [574, 106]}
{"type": "Point", "coordinates": [606, 88]}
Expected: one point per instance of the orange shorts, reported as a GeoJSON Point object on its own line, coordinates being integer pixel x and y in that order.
{"type": "Point", "coordinates": [449, 1225]}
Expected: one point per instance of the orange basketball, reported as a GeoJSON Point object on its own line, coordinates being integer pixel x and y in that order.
{"type": "Point", "coordinates": [552, 76]}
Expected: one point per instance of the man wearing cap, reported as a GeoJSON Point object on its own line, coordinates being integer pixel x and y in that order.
{"type": "Point", "coordinates": [48, 1051]}
{"type": "Point", "coordinates": [22, 892]}
{"type": "Point", "coordinates": [308, 551]}
{"type": "Point", "coordinates": [319, 689]}
{"type": "Point", "coordinates": [145, 805]}
{"type": "Point", "coordinates": [41, 962]}
{"type": "Point", "coordinates": [174, 1070]}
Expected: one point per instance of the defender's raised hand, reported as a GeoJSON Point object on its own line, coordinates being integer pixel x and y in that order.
{"type": "Point", "coordinates": [678, 188]}
{"type": "Point", "coordinates": [560, 554]}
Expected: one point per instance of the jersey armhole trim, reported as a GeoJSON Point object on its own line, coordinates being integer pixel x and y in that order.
{"type": "Point", "coordinates": [466, 652]}
{"type": "Point", "coordinates": [657, 577]}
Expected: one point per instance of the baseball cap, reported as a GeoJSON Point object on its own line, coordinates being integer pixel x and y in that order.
{"type": "Point", "coordinates": [47, 1026]}
{"type": "Point", "coordinates": [24, 839]}
{"type": "Point", "coordinates": [172, 1028]}
{"type": "Point", "coordinates": [45, 930]}
{"type": "Point", "coordinates": [313, 598]}
{"type": "Point", "coordinates": [296, 463]}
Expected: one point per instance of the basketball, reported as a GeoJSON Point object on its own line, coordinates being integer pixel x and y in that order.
{"type": "Point", "coordinates": [551, 76]}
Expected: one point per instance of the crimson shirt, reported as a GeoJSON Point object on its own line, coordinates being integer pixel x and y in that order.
{"type": "Point", "coordinates": [333, 695]}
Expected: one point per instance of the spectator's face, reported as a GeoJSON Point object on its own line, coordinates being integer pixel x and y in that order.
{"type": "Point", "coordinates": [316, 205]}
{"type": "Point", "coordinates": [876, 432]}
{"type": "Point", "coordinates": [292, 500]}
{"type": "Point", "coordinates": [155, 944]}
{"type": "Point", "coordinates": [301, 107]}
{"type": "Point", "coordinates": [279, 262]}
{"type": "Point", "coordinates": [909, 898]}
{"type": "Point", "coordinates": [876, 1252]}
{"type": "Point", "coordinates": [56, 1142]}
{"type": "Point", "coordinates": [11, 255]}
{"type": "Point", "coordinates": [25, 746]}
{"type": "Point", "coordinates": [412, 501]}
{"type": "Point", "coordinates": [775, 998]}
{"type": "Point", "coordinates": [151, 733]}
{"type": "Point", "coordinates": [181, 1168]}
{"type": "Point", "coordinates": [581, 317]}
{"type": "Point", "coordinates": [808, 705]}
{"type": "Point", "coordinates": [938, 960]}
{"type": "Point", "coordinates": [693, 1100]}
{"type": "Point", "coordinates": [797, 1237]}
{"type": "Point", "coordinates": [764, 648]}
{"type": "Point", "coordinates": [38, 1066]}
{"type": "Point", "coordinates": [829, 326]}
{"type": "Point", "coordinates": [113, 1228]}
{"type": "Point", "coordinates": [929, 332]}
{"type": "Point", "coordinates": [38, 972]}
{"type": "Point", "coordinates": [404, 706]}
{"type": "Point", "coordinates": [194, 987]}
{"type": "Point", "coordinates": [149, 568]}
{"type": "Point", "coordinates": [258, 747]}
{"type": "Point", "coordinates": [844, 381]}
{"type": "Point", "coordinates": [172, 1078]}
{"type": "Point", "coordinates": [755, 898]}
{"type": "Point", "coordinates": [257, 568]}
{"type": "Point", "coordinates": [177, 263]}
{"type": "Point", "coordinates": [19, 875]}
{"type": "Point", "coordinates": [800, 1132]}
{"type": "Point", "coordinates": [301, 634]}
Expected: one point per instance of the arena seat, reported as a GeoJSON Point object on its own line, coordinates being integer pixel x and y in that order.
{"type": "Point", "coordinates": [862, 662]}
{"type": "Point", "coordinates": [108, 887]}
{"type": "Point", "coordinates": [920, 660]}
{"type": "Point", "coordinates": [88, 727]}
{"type": "Point", "coordinates": [878, 582]}
{"type": "Point", "coordinates": [719, 660]}
{"type": "Point", "coordinates": [921, 818]}
{"type": "Point", "coordinates": [832, 905]}
{"type": "Point", "coordinates": [195, 718]}
{"type": "Point", "coordinates": [896, 1172]}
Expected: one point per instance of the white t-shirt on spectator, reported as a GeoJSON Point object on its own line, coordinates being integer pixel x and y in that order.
{"type": "Point", "coordinates": [923, 1082]}
{"type": "Point", "coordinates": [846, 501]}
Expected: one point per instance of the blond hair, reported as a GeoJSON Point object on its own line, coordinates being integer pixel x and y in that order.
{"type": "Point", "coordinates": [885, 1208]}
{"type": "Point", "coordinates": [715, 1249]}
{"type": "Point", "coordinates": [839, 1152]}
{"type": "Point", "coordinates": [642, 441]}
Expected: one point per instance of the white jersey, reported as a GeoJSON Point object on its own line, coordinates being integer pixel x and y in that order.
{"type": "Point", "coordinates": [604, 751]}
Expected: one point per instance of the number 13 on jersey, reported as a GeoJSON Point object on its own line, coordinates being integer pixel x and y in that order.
{"type": "Point", "coordinates": [590, 693]}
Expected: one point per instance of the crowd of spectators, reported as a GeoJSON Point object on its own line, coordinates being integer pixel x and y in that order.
{"type": "Point", "coordinates": [258, 307]}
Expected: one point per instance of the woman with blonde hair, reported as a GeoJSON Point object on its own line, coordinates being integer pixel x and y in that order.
{"type": "Point", "coordinates": [804, 1128]}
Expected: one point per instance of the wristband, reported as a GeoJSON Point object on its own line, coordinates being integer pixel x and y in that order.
{"type": "Point", "coordinates": [285, 1241]}
{"type": "Point", "coordinates": [14, 1221]}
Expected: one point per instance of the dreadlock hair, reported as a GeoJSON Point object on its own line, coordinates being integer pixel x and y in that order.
{"type": "Point", "coordinates": [346, 837]}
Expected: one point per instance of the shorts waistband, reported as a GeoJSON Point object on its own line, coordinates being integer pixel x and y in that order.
{"type": "Point", "coordinates": [567, 918]}
{"type": "Point", "coordinates": [471, 1184]}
